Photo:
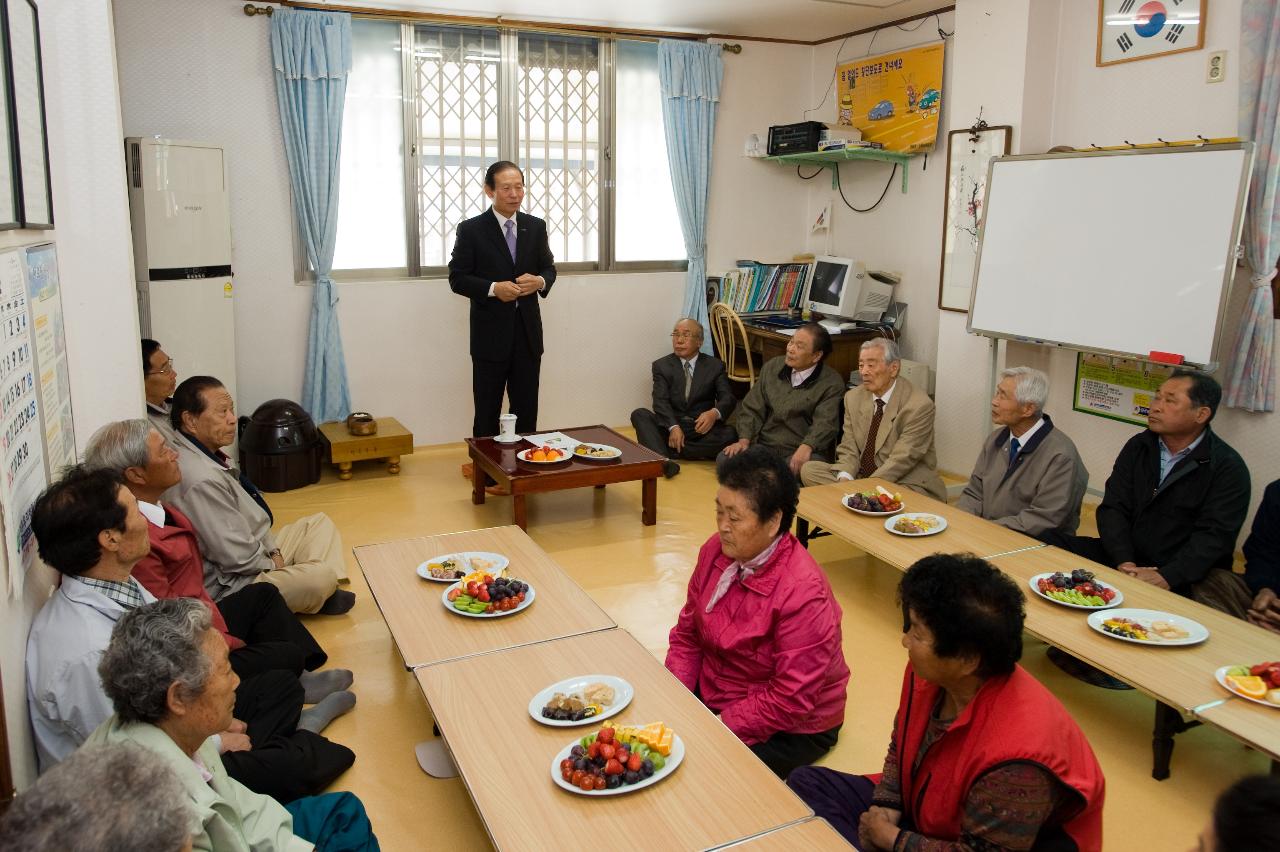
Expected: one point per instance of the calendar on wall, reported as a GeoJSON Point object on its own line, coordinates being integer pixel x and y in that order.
{"type": "Point", "coordinates": [36, 436]}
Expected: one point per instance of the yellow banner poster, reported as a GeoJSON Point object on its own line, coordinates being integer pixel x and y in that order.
{"type": "Point", "coordinates": [893, 98]}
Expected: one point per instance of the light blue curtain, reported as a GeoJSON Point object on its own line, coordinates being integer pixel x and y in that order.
{"type": "Point", "coordinates": [1251, 380]}
{"type": "Point", "coordinates": [689, 74]}
{"type": "Point", "coordinates": [311, 52]}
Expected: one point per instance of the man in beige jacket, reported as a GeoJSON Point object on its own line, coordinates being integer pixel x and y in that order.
{"type": "Point", "coordinates": [232, 520]}
{"type": "Point", "coordinates": [888, 428]}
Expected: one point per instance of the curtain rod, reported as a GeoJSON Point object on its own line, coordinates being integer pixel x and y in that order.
{"type": "Point", "coordinates": [250, 9]}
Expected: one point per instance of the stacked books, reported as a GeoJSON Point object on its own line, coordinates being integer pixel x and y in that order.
{"type": "Point", "coordinates": [762, 287]}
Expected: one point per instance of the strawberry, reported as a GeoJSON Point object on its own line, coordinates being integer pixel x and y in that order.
{"type": "Point", "coordinates": [613, 767]}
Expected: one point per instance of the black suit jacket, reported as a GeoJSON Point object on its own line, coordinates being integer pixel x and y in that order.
{"type": "Point", "coordinates": [480, 258]}
{"type": "Point", "coordinates": [710, 388]}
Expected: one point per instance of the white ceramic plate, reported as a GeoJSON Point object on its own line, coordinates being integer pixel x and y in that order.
{"type": "Point", "coordinates": [1196, 631]}
{"type": "Point", "coordinates": [613, 453]}
{"type": "Point", "coordinates": [844, 501]}
{"type": "Point", "coordinates": [942, 524]}
{"type": "Point", "coordinates": [673, 760]}
{"type": "Point", "coordinates": [514, 439]}
{"type": "Point", "coordinates": [1116, 601]}
{"type": "Point", "coordinates": [623, 692]}
{"type": "Point", "coordinates": [523, 455]}
{"type": "Point", "coordinates": [499, 565]}
{"type": "Point", "coordinates": [525, 604]}
{"type": "Point", "coordinates": [1221, 675]}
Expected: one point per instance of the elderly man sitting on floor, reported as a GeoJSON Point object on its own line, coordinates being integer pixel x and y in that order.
{"type": "Point", "coordinates": [233, 521]}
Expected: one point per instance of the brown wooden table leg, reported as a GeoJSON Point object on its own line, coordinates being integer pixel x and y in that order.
{"type": "Point", "coordinates": [393, 465]}
{"type": "Point", "coordinates": [344, 470]}
{"type": "Point", "coordinates": [519, 516]}
{"type": "Point", "coordinates": [649, 502]}
{"type": "Point", "coordinates": [477, 482]}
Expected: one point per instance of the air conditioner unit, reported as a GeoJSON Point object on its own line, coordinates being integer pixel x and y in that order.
{"type": "Point", "coordinates": [180, 213]}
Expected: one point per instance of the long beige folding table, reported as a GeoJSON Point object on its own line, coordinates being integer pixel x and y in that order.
{"type": "Point", "coordinates": [1252, 724]}
{"type": "Point", "coordinates": [426, 632]}
{"type": "Point", "coordinates": [720, 793]}
{"type": "Point", "coordinates": [814, 834]}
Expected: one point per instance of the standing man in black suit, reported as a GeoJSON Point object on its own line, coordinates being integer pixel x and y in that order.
{"type": "Point", "coordinates": [691, 399]}
{"type": "Point", "coordinates": [502, 262]}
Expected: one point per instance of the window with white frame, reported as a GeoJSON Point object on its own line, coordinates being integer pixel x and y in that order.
{"type": "Point", "coordinates": [430, 106]}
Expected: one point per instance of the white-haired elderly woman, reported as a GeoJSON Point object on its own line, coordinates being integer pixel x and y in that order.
{"type": "Point", "coordinates": [888, 428]}
{"type": "Point", "coordinates": [172, 687]}
{"type": "Point", "coordinates": [1029, 476]}
{"type": "Point", "coordinates": [108, 798]}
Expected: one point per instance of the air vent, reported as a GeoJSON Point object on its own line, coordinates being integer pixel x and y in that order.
{"type": "Point", "coordinates": [135, 165]}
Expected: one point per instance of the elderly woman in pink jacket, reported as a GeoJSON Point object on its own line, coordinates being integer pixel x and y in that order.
{"type": "Point", "coordinates": [758, 639]}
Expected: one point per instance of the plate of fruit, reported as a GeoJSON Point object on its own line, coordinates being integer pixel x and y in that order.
{"type": "Point", "coordinates": [1148, 627]}
{"type": "Point", "coordinates": [1078, 589]}
{"type": "Point", "coordinates": [543, 455]}
{"type": "Point", "coordinates": [581, 700]}
{"type": "Point", "coordinates": [617, 760]}
{"type": "Point", "coordinates": [486, 596]}
{"type": "Point", "coordinates": [878, 502]}
{"type": "Point", "coordinates": [1259, 684]}
{"type": "Point", "coordinates": [916, 524]}
{"type": "Point", "coordinates": [448, 567]}
{"type": "Point", "coordinates": [596, 452]}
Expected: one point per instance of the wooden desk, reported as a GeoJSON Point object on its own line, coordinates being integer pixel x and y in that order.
{"type": "Point", "coordinates": [965, 533]}
{"type": "Point", "coordinates": [815, 833]}
{"type": "Point", "coordinates": [719, 794]}
{"type": "Point", "coordinates": [768, 343]}
{"type": "Point", "coordinates": [1255, 726]}
{"type": "Point", "coordinates": [521, 478]}
{"type": "Point", "coordinates": [425, 632]}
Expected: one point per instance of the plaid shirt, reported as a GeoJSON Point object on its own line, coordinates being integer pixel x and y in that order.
{"type": "Point", "coordinates": [126, 593]}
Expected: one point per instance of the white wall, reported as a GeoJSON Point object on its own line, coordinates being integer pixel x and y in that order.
{"type": "Point", "coordinates": [904, 233]}
{"type": "Point", "coordinates": [198, 70]}
{"type": "Point", "coordinates": [96, 269]}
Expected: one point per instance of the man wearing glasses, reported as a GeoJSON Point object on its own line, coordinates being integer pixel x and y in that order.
{"type": "Point", "coordinates": [691, 400]}
{"type": "Point", "coordinates": [159, 378]}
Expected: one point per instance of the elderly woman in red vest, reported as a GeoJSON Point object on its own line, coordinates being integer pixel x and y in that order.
{"type": "Point", "coordinates": [758, 639]}
{"type": "Point", "coordinates": [982, 756]}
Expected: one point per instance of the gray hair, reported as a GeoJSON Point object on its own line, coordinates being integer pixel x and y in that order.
{"type": "Point", "coordinates": [1030, 386]}
{"type": "Point", "coordinates": [885, 345]}
{"type": "Point", "coordinates": [119, 445]}
{"type": "Point", "coordinates": [107, 798]}
{"type": "Point", "coordinates": [701, 331]}
{"type": "Point", "coordinates": [153, 647]}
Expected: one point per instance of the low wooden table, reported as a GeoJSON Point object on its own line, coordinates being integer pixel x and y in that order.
{"type": "Point", "coordinates": [965, 533]}
{"type": "Point", "coordinates": [391, 442]}
{"type": "Point", "coordinates": [811, 834]}
{"type": "Point", "coordinates": [426, 633]}
{"type": "Point", "coordinates": [720, 793]}
{"type": "Point", "coordinates": [520, 478]}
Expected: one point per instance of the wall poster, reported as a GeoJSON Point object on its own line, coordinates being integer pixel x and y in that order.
{"type": "Point", "coordinates": [21, 439]}
{"type": "Point", "coordinates": [1117, 388]}
{"type": "Point", "coordinates": [45, 298]}
{"type": "Point", "coordinates": [894, 98]}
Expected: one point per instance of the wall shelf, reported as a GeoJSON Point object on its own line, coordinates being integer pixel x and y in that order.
{"type": "Point", "coordinates": [833, 159]}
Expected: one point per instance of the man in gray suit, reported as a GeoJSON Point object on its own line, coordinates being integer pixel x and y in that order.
{"type": "Point", "coordinates": [1029, 476]}
{"type": "Point", "coordinates": [691, 399]}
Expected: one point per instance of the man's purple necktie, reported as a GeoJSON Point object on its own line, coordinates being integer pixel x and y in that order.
{"type": "Point", "coordinates": [511, 238]}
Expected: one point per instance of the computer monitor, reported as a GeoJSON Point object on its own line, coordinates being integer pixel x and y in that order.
{"type": "Point", "coordinates": [841, 287]}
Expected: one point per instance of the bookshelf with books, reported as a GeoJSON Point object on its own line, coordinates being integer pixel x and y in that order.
{"type": "Point", "coordinates": [764, 288]}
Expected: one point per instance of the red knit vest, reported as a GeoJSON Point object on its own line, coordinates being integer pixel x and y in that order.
{"type": "Point", "coordinates": [1012, 718]}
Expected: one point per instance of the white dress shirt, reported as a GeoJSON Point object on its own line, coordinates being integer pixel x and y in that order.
{"type": "Point", "coordinates": [844, 474]}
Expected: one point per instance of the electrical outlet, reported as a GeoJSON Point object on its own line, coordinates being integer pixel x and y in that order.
{"type": "Point", "coordinates": [1216, 71]}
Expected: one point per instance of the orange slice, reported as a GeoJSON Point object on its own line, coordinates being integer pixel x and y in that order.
{"type": "Point", "coordinates": [1254, 687]}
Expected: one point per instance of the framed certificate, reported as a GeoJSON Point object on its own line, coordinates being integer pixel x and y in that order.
{"type": "Point", "coordinates": [1143, 29]}
{"type": "Point", "coordinates": [26, 85]}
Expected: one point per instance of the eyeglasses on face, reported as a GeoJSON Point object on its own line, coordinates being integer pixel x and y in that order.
{"type": "Point", "coordinates": [165, 369]}
{"type": "Point", "coordinates": [683, 335]}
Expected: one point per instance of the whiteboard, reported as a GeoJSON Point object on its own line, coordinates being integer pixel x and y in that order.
{"type": "Point", "coordinates": [1122, 253]}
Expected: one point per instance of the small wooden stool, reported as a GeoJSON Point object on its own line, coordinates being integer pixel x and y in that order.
{"type": "Point", "coordinates": [391, 441]}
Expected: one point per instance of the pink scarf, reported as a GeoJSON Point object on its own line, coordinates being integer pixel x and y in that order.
{"type": "Point", "coordinates": [746, 569]}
